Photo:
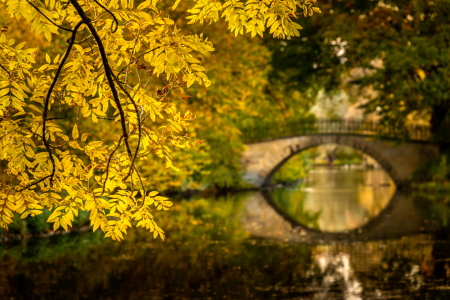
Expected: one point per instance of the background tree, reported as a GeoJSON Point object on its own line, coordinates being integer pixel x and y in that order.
{"type": "Point", "coordinates": [73, 171]}
{"type": "Point", "coordinates": [401, 49]}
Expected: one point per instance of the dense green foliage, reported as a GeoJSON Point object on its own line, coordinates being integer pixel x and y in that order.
{"type": "Point", "coordinates": [397, 49]}
{"type": "Point", "coordinates": [294, 169]}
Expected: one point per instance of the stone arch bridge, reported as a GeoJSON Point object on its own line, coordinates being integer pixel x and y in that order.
{"type": "Point", "coordinates": [398, 156]}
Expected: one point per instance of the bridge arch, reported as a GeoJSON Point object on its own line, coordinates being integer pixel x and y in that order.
{"type": "Point", "coordinates": [399, 159]}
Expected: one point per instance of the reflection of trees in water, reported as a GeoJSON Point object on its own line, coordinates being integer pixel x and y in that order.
{"type": "Point", "coordinates": [336, 200]}
{"type": "Point", "coordinates": [434, 207]}
{"type": "Point", "coordinates": [379, 269]}
{"type": "Point", "coordinates": [283, 198]}
{"type": "Point", "coordinates": [375, 191]}
{"type": "Point", "coordinates": [207, 255]}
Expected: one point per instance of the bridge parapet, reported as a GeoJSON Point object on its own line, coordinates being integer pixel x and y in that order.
{"type": "Point", "coordinates": [359, 127]}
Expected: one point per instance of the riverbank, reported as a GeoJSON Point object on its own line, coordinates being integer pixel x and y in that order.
{"type": "Point", "coordinates": [431, 187]}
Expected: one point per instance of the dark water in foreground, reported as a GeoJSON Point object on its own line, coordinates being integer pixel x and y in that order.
{"type": "Point", "coordinates": [255, 246]}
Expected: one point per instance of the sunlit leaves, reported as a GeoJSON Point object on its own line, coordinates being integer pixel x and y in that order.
{"type": "Point", "coordinates": [105, 78]}
{"type": "Point", "coordinates": [254, 16]}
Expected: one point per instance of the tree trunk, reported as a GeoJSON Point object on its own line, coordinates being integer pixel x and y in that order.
{"type": "Point", "coordinates": [438, 131]}
{"type": "Point", "coordinates": [438, 116]}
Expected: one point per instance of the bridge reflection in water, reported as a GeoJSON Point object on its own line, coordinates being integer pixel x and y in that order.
{"type": "Point", "coordinates": [337, 199]}
{"type": "Point", "coordinates": [334, 205]}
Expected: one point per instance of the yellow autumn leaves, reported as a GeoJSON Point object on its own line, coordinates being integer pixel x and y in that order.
{"type": "Point", "coordinates": [124, 68]}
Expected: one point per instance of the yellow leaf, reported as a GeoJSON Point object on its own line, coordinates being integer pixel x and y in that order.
{"type": "Point", "coordinates": [75, 132]}
{"type": "Point", "coordinates": [47, 58]}
{"type": "Point", "coordinates": [55, 225]}
{"type": "Point", "coordinates": [421, 73]}
{"type": "Point", "coordinates": [176, 4]}
{"type": "Point", "coordinates": [63, 224]}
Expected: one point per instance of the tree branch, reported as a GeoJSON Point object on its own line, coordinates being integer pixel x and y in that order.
{"type": "Point", "coordinates": [47, 102]}
{"type": "Point", "coordinates": [30, 185]}
{"type": "Point", "coordinates": [35, 7]}
{"type": "Point", "coordinates": [109, 162]}
{"type": "Point", "coordinates": [108, 71]}
{"type": "Point", "coordinates": [5, 70]}
{"type": "Point", "coordinates": [114, 17]}
{"type": "Point", "coordinates": [139, 125]}
{"type": "Point", "coordinates": [137, 59]}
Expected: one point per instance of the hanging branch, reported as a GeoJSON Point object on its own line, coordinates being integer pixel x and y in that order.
{"type": "Point", "coordinates": [47, 103]}
{"type": "Point", "coordinates": [139, 126]}
{"type": "Point", "coordinates": [109, 162]}
{"type": "Point", "coordinates": [108, 71]}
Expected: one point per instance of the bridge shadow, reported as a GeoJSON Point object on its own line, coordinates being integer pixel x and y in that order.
{"type": "Point", "coordinates": [263, 218]}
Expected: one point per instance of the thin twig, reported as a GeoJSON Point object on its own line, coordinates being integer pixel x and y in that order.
{"type": "Point", "coordinates": [35, 7]}
{"type": "Point", "coordinates": [6, 71]}
{"type": "Point", "coordinates": [67, 5]}
{"type": "Point", "coordinates": [114, 17]}
{"type": "Point", "coordinates": [143, 188]}
{"type": "Point", "coordinates": [132, 62]}
{"type": "Point", "coordinates": [133, 158]}
{"type": "Point", "coordinates": [35, 183]}
{"type": "Point", "coordinates": [47, 102]}
{"type": "Point", "coordinates": [109, 162]}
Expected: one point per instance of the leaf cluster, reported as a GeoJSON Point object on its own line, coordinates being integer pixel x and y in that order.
{"type": "Point", "coordinates": [115, 54]}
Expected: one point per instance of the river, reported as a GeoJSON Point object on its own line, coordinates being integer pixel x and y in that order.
{"type": "Point", "coordinates": [342, 234]}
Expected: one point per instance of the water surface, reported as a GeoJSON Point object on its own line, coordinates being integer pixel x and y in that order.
{"type": "Point", "coordinates": [337, 199]}
{"type": "Point", "coordinates": [242, 246]}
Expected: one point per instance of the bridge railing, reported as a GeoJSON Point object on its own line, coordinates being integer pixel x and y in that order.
{"type": "Point", "coordinates": [290, 128]}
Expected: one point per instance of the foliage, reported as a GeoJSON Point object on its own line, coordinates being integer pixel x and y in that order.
{"type": "Point", "coordinates": [239, 77]}
{"type": "Point", "coordinates": [106, 41]}
{"type": "Point", "coordinates": [347, 155]}
{"type": "Point", "coordinates": [434, 169]}
{"type": "Point", "coordinates": [434, 206]}
{"type": "Point", "coordinates": [398, 49]}
{"type": "Point", "coordinates": [294, 169]}
{"type": "Point", "coordinates": [296, 209]}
